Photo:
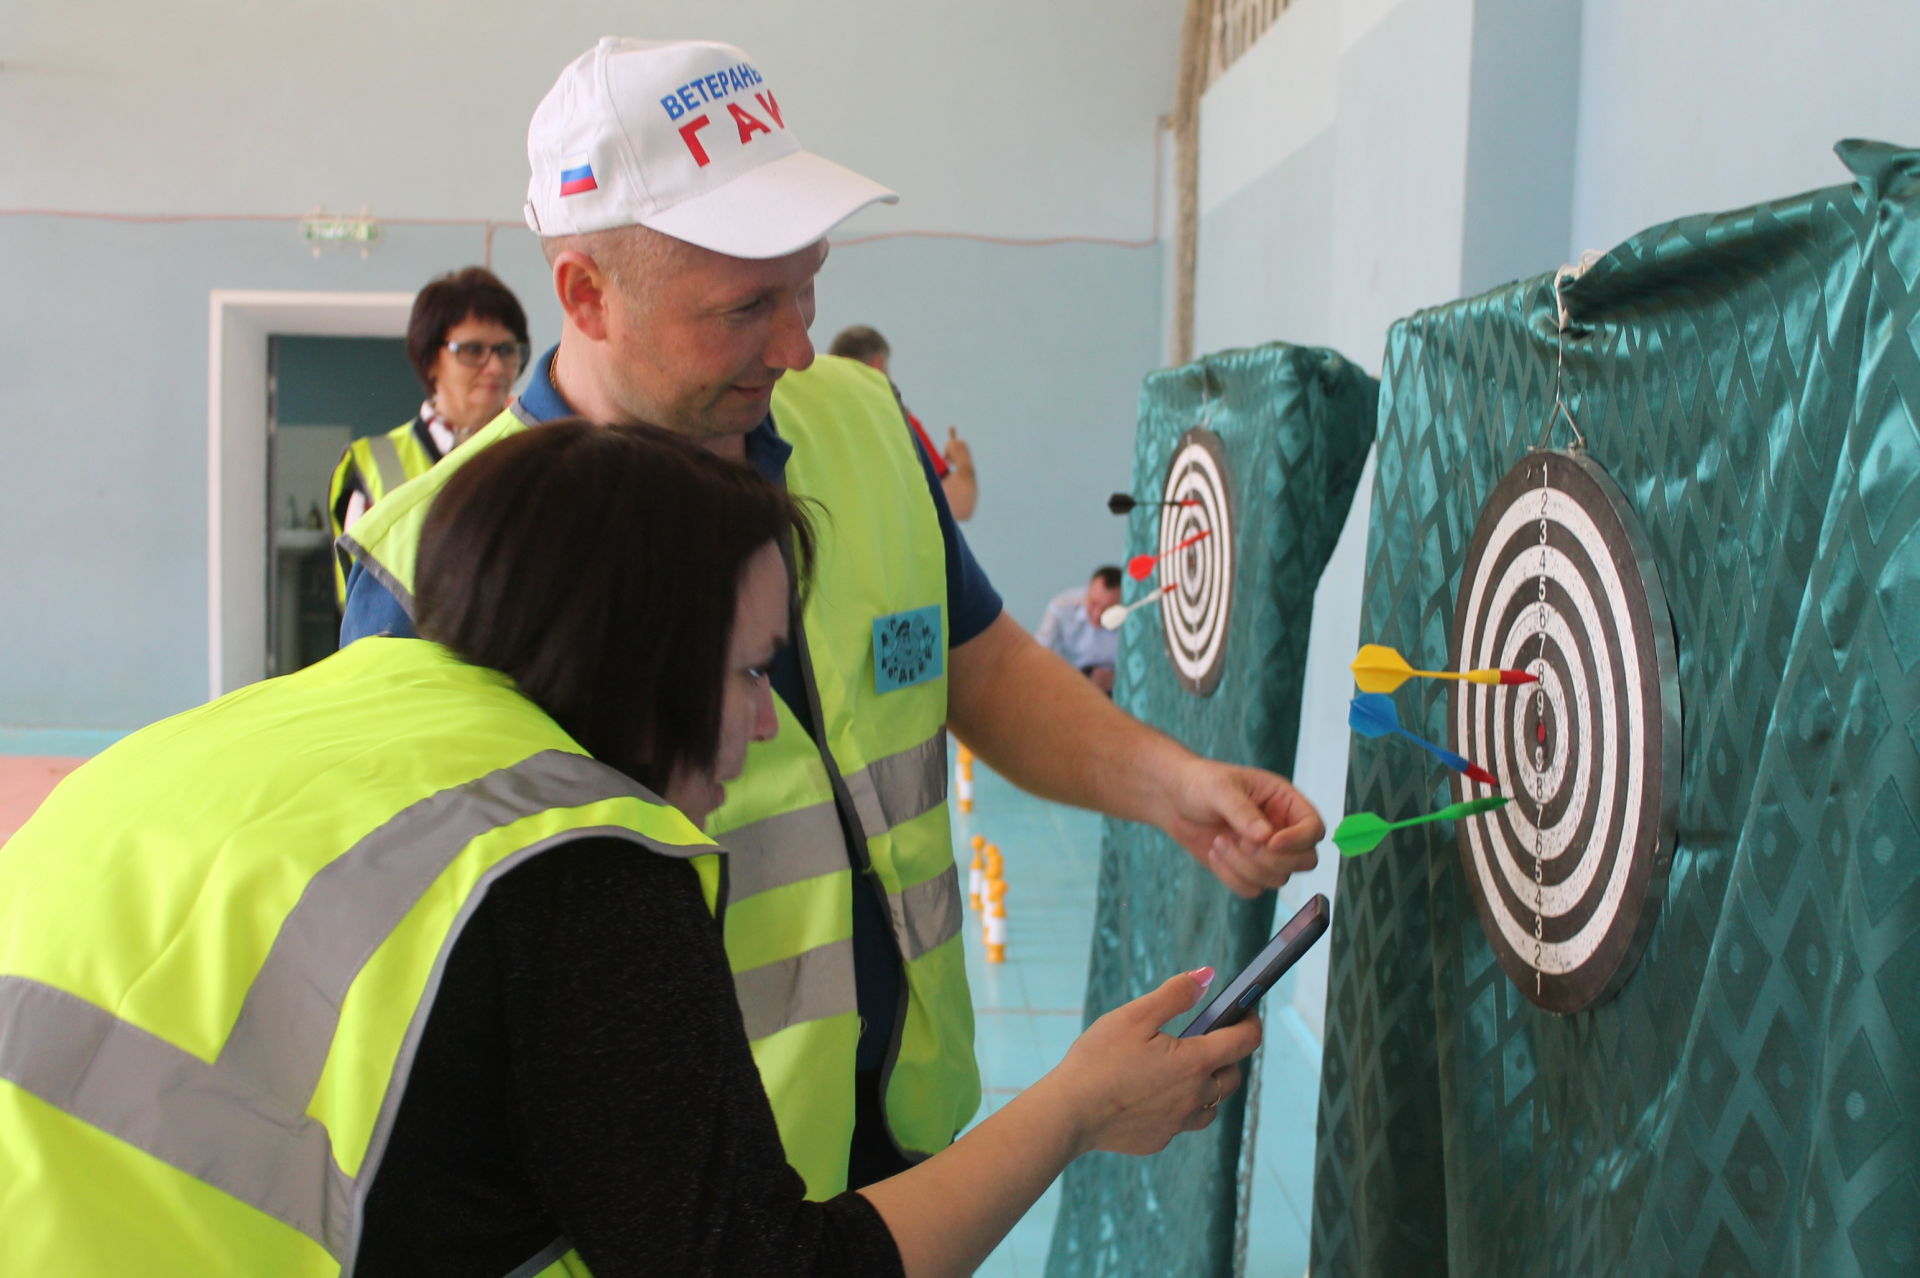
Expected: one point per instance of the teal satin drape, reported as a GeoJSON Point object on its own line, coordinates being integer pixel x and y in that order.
{"type": "Point", "coordinates": [1296, 424]}
{"type": "Point", "coordinates": [1749, 1103]}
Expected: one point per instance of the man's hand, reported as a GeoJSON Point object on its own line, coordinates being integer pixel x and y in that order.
{"type": "Point", "coordinates": [1247, 825]}
{"type": "Point", "coordinates": [957, 453]}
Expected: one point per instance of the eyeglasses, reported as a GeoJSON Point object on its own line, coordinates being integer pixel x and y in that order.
{"type": "Point", "coordinates": [474, 354]}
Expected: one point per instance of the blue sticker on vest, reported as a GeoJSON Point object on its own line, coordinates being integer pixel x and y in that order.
{"type": "Point", "coordinates": [907, 649]}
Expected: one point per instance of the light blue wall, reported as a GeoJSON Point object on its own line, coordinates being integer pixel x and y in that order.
{"type": "Point", "coordinates": [1036, 353]}
{"type": "Point", "coordinates": [117, 108]}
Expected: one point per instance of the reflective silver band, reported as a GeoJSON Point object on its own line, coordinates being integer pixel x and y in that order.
{"type": "Point", "coordinates": [900, 787]}
{"type": "Point", "coordinates": [806, 843]}
{"type": "Point", "coordinates": [820, 982]}
{"type": "Point", "coordinates": [386, 459]}
{"type": "Point", "coordinates": [209, 1121]}
{"type": "Point", "coordinates": [239, 1124]}
{"type": "Point", "coordinates": [809, 843]}
{"type": "Point", "coordinates": [785, 849]}
{"type": "Point", "coordinates": [285, 1028]}
{"type": "Point", "coordinates": [928, 914]}
{"type": "Point", "coordinates": [807, 987]}
{"type": "Point", "coordinates": [377, 570]}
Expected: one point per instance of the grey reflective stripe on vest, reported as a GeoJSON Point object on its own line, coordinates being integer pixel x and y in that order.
{"type": "Point", "coordinates": [927, 914]}
{"type": "Point", "coordinates": [239, 1124]}
{"type": "Point", "coordinates": [792, 847]}
{"type": "Point", "coordinates": [807, 987]}
{"type": "Point", "coordinates": [785, 849]}
{"type": "Point", "coordinates": [208, 1122]}
{"type": "Point", "coordinates": [377, 570]}
{"type": "Point", "coordinates": [281, 1037]}
{"type": "Point", "coordinates": [806, 843]}
{"type": "Point", "coordinates": [900, 787]}
{"type": "Point", "coordinates": [386, 459]}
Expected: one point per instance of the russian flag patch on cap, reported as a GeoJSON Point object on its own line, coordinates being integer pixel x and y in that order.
{"type": "Point", "coordinates": [577, 180]}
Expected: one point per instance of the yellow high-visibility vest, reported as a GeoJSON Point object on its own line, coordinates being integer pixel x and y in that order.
{"type": "Point", "coordinates": [219, 942]}
{"type": "Point", "coordinates": [879, 586]}
{"type": "Point", "coordinates": [382, 463]}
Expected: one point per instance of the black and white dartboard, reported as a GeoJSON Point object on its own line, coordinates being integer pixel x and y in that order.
{"type": "Point", "coordinates": [1568, 877]}
{"type": "Point", "coordinates": [1196, 570]}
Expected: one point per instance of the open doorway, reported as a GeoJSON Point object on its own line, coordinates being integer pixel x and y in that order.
{"type": "Point", "coordinates": [323, 393]}
{"type": "Point", "coordinates": [241, 547]}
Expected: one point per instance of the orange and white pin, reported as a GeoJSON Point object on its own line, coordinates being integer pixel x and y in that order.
{"type": "Point", "coordinates": [963, 779]}
{"type": "Point", "coordinates": [996, 929]}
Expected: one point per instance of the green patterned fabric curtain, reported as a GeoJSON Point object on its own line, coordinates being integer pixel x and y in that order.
{"type": "Point", "coordinates": [1296, 424]}
{"type": "Point", "coordinates": [1749, 1103]}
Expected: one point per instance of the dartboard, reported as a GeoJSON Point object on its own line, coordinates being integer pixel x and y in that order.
{"type": "Point", "coordinates": [1568, 876]}
{"type": "Point", "coordinates": [1198, 577]}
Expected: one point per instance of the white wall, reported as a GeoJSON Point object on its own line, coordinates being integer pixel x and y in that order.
{"type": "Point", "coordinates": [993, 119]}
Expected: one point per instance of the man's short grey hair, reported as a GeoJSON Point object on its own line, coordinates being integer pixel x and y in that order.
{"type": "Point", "coordinates": [631, 256]}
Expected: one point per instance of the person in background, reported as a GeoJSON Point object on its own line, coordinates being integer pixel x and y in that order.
{"type": "Point", "coordinates": [467, 341]}
{"type": "Point", "coordinates": [954, 463]}
{"type": "Point", "coordinates": [409, 963]}
{"type": "Point", "coordinates": [1072, 627]}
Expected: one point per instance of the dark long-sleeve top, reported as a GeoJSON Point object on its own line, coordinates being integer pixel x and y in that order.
{"type": "Point", "coordinates": [584, 1071]}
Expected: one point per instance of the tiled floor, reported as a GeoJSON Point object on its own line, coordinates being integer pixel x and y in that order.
{"type": "Point", "coordinates": [1029, 1011]}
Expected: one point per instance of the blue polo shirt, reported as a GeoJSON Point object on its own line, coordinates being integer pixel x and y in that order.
{"type": "Point", "coordinates": [972, 605]}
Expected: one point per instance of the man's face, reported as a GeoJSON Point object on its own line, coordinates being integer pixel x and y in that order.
{"type": "Point", "coordinates": [1100, 597]}
{"type": "Point", "coordinates": [697, 344]}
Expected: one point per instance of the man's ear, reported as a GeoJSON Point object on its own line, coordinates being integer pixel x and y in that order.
{"type": "Point", "coordinates": [583, 289]}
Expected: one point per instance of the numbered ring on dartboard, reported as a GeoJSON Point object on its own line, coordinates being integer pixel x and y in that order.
{"type": "Point", "coordinates": [1199, 576]}
{"type": "Point", "coordinates": [1568, 877]}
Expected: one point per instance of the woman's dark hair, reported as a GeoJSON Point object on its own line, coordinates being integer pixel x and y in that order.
{"type": "Point", "coordinates": [597, 566]}
{"type": "Point", "coordinates": [446, 301]}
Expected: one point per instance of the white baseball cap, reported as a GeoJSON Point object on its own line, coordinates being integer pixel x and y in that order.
{"type": "Point", "coordinates": [685, 137]}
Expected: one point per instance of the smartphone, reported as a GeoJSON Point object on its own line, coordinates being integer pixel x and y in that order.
{"type": "Point", "coordinates": [1282, 952]}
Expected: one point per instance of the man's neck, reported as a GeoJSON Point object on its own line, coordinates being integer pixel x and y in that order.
{"type": "Point", "coordinates": [577, 386]}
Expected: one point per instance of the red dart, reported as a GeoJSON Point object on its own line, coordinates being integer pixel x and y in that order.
{"type": "Point", "coordinates": [1140, 567]}
{"type": "Point", "coordinates": [1474, 772]}
{"type": "Point", "coordinates": [1518, 676]}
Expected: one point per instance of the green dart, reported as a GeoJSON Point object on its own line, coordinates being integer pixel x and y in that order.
{"type": "Point", "coordinates": [1363, 831]}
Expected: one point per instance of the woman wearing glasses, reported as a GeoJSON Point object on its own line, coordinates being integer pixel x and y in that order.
{"type": "Point", "coordinates": [409, 963]}
{"type": "Point", "coordinates": [467, 338]}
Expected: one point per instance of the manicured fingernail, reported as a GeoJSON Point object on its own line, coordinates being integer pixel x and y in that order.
{"type": "Point", "coordinates": [1202, 976]}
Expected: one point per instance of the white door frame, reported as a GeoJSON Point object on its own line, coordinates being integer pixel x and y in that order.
{"type": "Point", "coordinates": [240, 323]}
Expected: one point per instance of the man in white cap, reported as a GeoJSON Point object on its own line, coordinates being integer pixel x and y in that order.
{"type": "Point", "coordinates": [684, 226]}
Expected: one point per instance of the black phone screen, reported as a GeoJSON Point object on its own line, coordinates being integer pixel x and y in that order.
{"type": "Point", "coordinates": [1282, 952]}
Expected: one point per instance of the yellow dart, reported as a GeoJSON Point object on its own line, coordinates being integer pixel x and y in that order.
{"type": "Point", "coordinates": [1381, 669]}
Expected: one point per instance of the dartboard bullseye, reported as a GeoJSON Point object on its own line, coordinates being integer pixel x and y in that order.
{"type": "Point", "coordinates": [1199, 574]}
{"type": "Point", "coordinates": [1568, 877]}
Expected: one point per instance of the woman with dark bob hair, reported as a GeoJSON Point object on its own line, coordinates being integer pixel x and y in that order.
{"type": "Point", "coordinates": [467, 341]}
{"type": "Point", "coordinates": [410, 962]}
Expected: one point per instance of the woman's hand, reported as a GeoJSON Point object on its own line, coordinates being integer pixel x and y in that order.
{"type": "Point", "coordinates": [1124, 1087]}
{"type": "Point", "coordinates": [1134, 1088]}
